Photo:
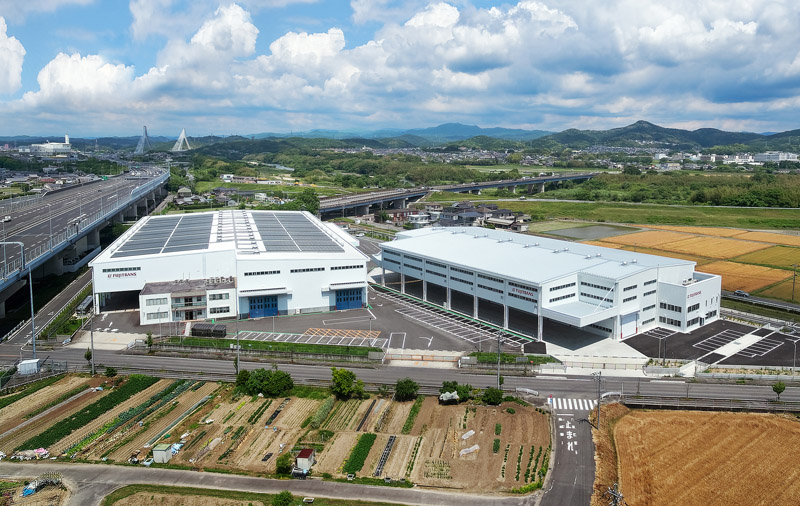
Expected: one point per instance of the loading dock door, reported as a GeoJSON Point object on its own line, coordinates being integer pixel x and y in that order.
{"type": "Point", "coordinates": [263, 306]}
{"type": "Point", "coordinates": [628, 324]}
{"type": "Point", "coordinates": [349, 299]}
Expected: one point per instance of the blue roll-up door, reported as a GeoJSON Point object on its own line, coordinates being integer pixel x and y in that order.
{"type": "Point", "coordinates": [263, 306]}
{"type": "Point", "coordinates": [349, 299]}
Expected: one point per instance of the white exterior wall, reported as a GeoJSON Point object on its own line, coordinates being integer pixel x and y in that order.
{"type": "Point", "coordinates": [145, 309]}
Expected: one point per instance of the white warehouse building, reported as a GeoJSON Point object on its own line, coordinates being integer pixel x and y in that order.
{"type": "Point", "coordinates": [223, 263]}
{"type": "Point", "coordinates": [609, 292]}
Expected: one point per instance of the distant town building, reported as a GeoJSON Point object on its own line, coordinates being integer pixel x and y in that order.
{"type": "Point", "coordinates": [775, 156]}
{"type": "Point", "coordinates": [49, 148]}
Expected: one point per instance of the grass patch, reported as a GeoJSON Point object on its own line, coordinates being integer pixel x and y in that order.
{"type": "Point", "coordinates": [412, 415]}
{"type": "Point", "coordinates": [225, 344]}
{"type": "Point", "coordinates": [510, 358]}
{"type": "Point", "coordinates": [235, 495]}
{"type": "Point", "coordinates": [359, 454]}
{"type": "Point", "coordinates": [760, 310]}
{"type": "Point", "coordinates": [308, 392]}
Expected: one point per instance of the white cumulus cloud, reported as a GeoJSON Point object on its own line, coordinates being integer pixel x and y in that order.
{"type": "Point", "coordinates": [12, 55]}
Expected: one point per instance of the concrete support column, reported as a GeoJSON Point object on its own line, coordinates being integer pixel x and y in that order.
{"type": "Point", "coordinates": [93, 238]}
{"type": "Point", "coordinates": [383, 275]}
{"type": "Point", "coordinates": [475, 192]}
{"type": "Point", "coordinates": [402, 283]}
{"type": "Point", "coordinates": [475, 306]}
{"type": "Point", "coordinates": [530, 188]}
{"type": "Point", "coordinates": [362, 210]}
{"type": "Point", "coordinates": [448, 298]}
{"type": "Point", "coordinates": [424, 290]}
{"type": "Point", "coordinates": [540, 322]}
{"type": "Point", "coordinates": [512, 189]}
{"type": "Point", "coordinates": [618, 328]}
{"type": "Point", "coordinates": [541, 187]}
{"type": "Point", "coordinates": [97, 303]}
{"type": "Point", "coordinates": [505, 316]}
{"type": "Point", "coordinates": [3, 309]}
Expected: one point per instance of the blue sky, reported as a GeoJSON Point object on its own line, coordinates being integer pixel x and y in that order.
{"type": "Point", "coordinates": [107, 67]}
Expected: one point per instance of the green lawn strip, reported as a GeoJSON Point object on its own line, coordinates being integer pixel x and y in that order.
{"type": "Point", "coordinates": [760, 310]}
{"type": "Point", "coordinates": [30, 389]}
{"type": "Point", "coordinates": [321, 349]}
{"type": "Point", "coordinates": [58, 400]}
{"type": "Point", "coordinates": [235, 495]}
{"type": "Point", "coordinates": [309, 392]}
{"type": "Point", "coordinates": [135, 384]}
{"type": "Point", "coordinates": [508, 358]}
{"type": "Point", "coordinates": [412, 415]}
{"type": "Point", "coordinates": [359, 453]}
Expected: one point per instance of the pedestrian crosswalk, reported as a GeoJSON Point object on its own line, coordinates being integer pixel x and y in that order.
{"type": "Point", "coordinates": [562, 404]}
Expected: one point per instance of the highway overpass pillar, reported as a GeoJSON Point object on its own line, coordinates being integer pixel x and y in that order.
{"type": "Point", "coordinates": [362, 210]}
{"type": "Point", "coordinates": [512, 189]}
{"type": "Point", "coordinates": [93, 239]}
{"type": "Point", "coordinates": [530, 188]}
{"type": "Point", "coordinates": [8, 292]}
{"type": "Point", "coordinates": [541, 187]}
{"type": "Point", "coordinates": [475, 192]}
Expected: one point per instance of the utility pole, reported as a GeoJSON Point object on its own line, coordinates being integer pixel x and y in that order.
{"type": "Point", "coordinates": [614, 496]}
{"type": "Point", "coordinates": [597, 376]}
{"type": "Point", "coordinates": [498, 360]}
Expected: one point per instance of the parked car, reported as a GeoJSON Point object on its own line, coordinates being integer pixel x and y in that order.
{"type": "Point", "coordinates": [741, 293]}
{"type": "Point", "coordinates": [148, 462]}
{"type": "Point", "coordinates": [66, 341]}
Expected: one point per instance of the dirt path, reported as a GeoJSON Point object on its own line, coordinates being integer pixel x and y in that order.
{"type": "Point", "coordinates": [185, 401]}
{"type": "Point", "coordinates": [398, 417]}
{"type": "Point", "coordinates": [62, 412]}
{"type": "Point", "coordinates": [133, 401]}
{"type": "Point", "coordinates": [147, 498]}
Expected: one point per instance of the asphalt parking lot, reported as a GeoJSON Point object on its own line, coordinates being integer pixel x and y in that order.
{"type": "Point", "coordinates": [766, 347]}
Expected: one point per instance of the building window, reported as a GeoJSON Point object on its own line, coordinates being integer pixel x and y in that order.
{"type": "Point", "coordinates": [711, 314]}
{"type": "Point", "coordinates": [671, 307]}
{"type": "Point", "coordinates": [518, 296]}
{"type": "Point", "coordinates": [489, 278]}
{"type": "Point", "coordinates": [669, 321]}
{"type": "Point", "coordinates": [600, 327]}
{"type": "Point", "coordinates": [262, 273]}
{"type": "Point", "coordinates": [647, 322]}
{"type": "Point", "coordinates": [651, 292]}
{"type": "Point", "coordinates": [693, 321]}
{"type": "Point", "coordinates": [599, 287]}
{"type": "Point", "coordinates": [436, 273]}
{"type": "Point", "coordinates": [593, 296]}
{"type": "Point", "coordinates": [156, 302]}
{"type": "Point", "coordinates": [157, 316]}
{"type": "Point", "coordinates": [387, 253]}
{"type": "Point", "coordinates": [561, 287]}
{"type": "Point", "coordinates": [524, 287]}
{"type": "Point", "coordinates": [415, 267]}
{"type": "Point", "coordinates": [219, 296]}
{"type": "Point", "coordinates": [648, 308]}
{"type": "Point", "coordinates": [556, 299]}
{"type": "Point", "coordinates": [436, 264]}
{"type": "Point", "coordinates": [632, 287]}
{"type": "Point", "coordinates": [466, 282]}
{"type": "Point", "coordinates": [345, 267]}
{"type": "Point", "coordinates": [218, 310]}
{"type": "Point", "coordinates": [390, 261]}
{"type": "Point", "coordinates": [307, 269]}
{"type": "Point", "coordinates": [647, 283]}
{"type": "Point", "coordinates": [628, 299]}
{"type": "Point", "coordinates": [490, 288]}
{"type": "Point", "coordinates": [691, 308]}
{"type": "Point", "coordinates": [123, 269]}
{"type": "Point", "coordinates": [413, 259]}
{"type": "Point", "coordinates": [462, 271]}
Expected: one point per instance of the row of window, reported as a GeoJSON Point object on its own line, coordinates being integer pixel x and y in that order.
{"type": "Point", "coordinates": [561, 287]}
{"type": "Point", "coordinates": [123, 269]}
{"type": "Point", "coordinates": [647, 322]}
{"type": "Point", "coordinates": [669, 321]}
{"type": "Point", "coordinates": [489, 278]}
{"type": "Point", "coordinates": [156, 302]}
{"type": "Point", "coordinates": [648, 283]}
{"type": "Point", "coordinates": [345, 267]}
{"type": "Point", "coordinates": [524, 287]}
{"type": "Point", "coordinates": [593, 296]}
{"type": "Point", "coordinates": [218, 310]}
{"type": "Point", "coordinates": [518, 296]}
{"type": "Point", "coordinates": [671, 307]}
{"type": "Point", "coordinates": [556, 299]}
{"type": "Point", "coordinates": [600, 327]}
{"type": "Point", "coordinates": [390, 261]}
{"type": "Point", "coordinates": [261, 273]}
{"type": "Point", "coordinates": [157, 316]}
{"type": "Point", "coordinates": [693, 307]}
{"type": "Point", "coordinates": [491, 288]}
{"type": "Point", "coordinates": [462, 271]}
{"type": "Point", "coordinates": [693, 321]}
{"type": "Point", "coordinates": [628, 299]}
{"type": "Point", "coordinates": [648, 308]}
{"type": "Point", "coordinates": [307, 269]}
{"type": "Point", "coordinates": [711, 314]}
{"type": "Point", "coordinates": [651, 292]}
{"type": "Point", "coordinates": [436, 264]}
{"type": "Point", "coordinates": [413, 259]}
{"type": "Point", "coordinates": [466, 282]}
{"type": "Point", "coordinates": [415, 267]}
{"type": "Point", "coordinates": [219, 296]}
{"type": "Point", "coordinates": [599, 287]}
{"type": "Point", "coordinates": [436, 273]}
{"type": "Point", "coordinates": [390, 254]}
{"type": "Point", "coordinates": [627, 288]}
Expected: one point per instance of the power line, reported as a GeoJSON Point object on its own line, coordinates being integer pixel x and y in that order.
{"type": "Point", "coordinates": [614, 496]}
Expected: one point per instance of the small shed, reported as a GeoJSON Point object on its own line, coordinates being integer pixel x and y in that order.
{"type": "Point", "coordinates": [162, 453]}
{"type": "Point", "coordinates": [305, 459]}
{"type": "Point", "coordinates": [28, 366]}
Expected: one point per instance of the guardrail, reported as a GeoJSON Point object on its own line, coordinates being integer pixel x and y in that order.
{"type": "Point", "coordinates": [60, 240]}
{"type": "Point", "coordinates": [15, 329]}
{"type": "Point", "coordinates": [13, 204]}
{"type": "Point", "coordinates": [660, 402]}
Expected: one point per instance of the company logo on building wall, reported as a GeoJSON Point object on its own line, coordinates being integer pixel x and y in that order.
{"type": "Point", "coordinates": [694, 294]}
{"type": "Point", "coordinates": [524, 292]}
{"type": "Point", "coordinates": [122, 275]}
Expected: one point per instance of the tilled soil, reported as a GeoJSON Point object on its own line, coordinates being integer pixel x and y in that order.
{"type": "Point", "coordinates": [336, 452]}
{"type": "Point", "coordinates": [14, 413]}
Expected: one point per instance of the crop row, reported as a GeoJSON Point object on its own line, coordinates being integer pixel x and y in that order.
{"type": "Point", "coordinates": [414, 452]}
{"type": "Point", "coordinates": [258, 412]}
{"type": "Point", "coordinates": [58, 400]}
{"type": "Point", "coordinates": [135, 384]}
{"type": "Point", "coordinates": [35, 387]}
{"type": "Point", "coordinates": [340, 420]}
{"type": "Point", "coordinates": [322, 412]}
{"type": "Point", "coordinates": [154, 403]}
{"type": "Point", "coordinates": [359, 453]}
{"type": "Point", "coordinates": [412, 415]}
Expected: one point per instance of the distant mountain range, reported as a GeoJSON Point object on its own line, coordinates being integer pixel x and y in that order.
{"type": "Point", "coordinates": [639, 134]}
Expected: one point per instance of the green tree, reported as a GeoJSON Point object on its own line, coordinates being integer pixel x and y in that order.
{"type": "Point", "coordinates": [241, 380]}
{"type": "Point", "coordinates": [342, 382]}
{"type": "Point", "coordinates": [283, 465]}
{"type": "Point", "coordinates": [272, 383]}
{"type": "Point", "coordinates": [88, 355]}
{"type": "Point", "coordinates": [284, 498]}
{"type": "Point", "coordinates": [464, 391]}
{"type": "Point", "coordinates": [149, 341]}
{"type": "Point", "coordinates": [778, 388]}
{"type": "Point", "coordinates": [111, 372]}
{"type": "Point", "coordinates": [492, 396]}
{"type": "Point", "coordinates": [406, 389]}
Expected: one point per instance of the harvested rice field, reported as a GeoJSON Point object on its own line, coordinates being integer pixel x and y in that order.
{"type": "Point", "coordinates": [745, 277]}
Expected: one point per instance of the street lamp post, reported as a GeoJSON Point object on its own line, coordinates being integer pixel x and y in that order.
{"type": "Point", "coordinates": [30, 286]}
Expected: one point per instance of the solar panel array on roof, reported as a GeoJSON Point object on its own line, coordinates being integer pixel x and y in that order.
{"type": "Point", "coordinates": [170, 234]}
{"type": "Point", "coordinates": [281, 232]}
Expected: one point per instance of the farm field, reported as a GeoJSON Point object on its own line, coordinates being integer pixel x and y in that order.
{"type": "Point", "coordinates": [15, 413]}
{"type": "Point", "coordinates": [778, 256]}
{"type": "Point", "coordinates": [736, 276]}
{"type": "Point", "coordinates": [703, 458]}
{"type": "Point", "coordinates": [715, 247]}
{"type": "Point", "coordinates": [49, 496]}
